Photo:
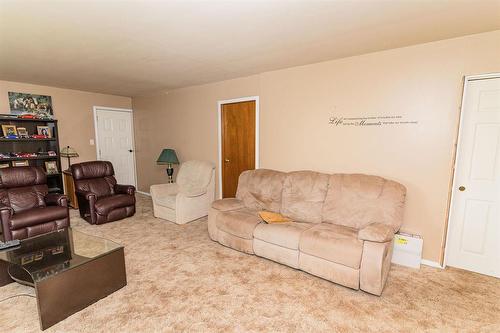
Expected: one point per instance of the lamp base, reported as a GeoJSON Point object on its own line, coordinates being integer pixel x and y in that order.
{"type": "Point", "coordinates": [170, 173]}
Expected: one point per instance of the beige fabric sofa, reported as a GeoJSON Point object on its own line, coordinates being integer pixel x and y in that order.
{"type": "Point", "coordinates": [190, 197]}
{"type": "Point", "coordinates": [342, 230]}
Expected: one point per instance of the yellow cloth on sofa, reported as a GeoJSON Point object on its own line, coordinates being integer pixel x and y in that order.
{"type": "Point", "coordinates": [270, 217]}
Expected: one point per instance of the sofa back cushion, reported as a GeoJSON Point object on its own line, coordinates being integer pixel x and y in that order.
{"type": "Point", "coordinates": [303, 195]}
{"type": "Point", "coordinates": [356, 200]}
{"type": "Point", "coordinates": [261, 189]}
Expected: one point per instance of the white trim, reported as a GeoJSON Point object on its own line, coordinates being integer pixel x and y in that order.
{"type": "Point", "coordinates": [145, 193]}
{"type": "Point", "coordinates": [219, 133]}
{"type": "Point", "coordinates": [98, 154]}
{"type": "Point", "coordinates": [467, 79]}
{"type": "Point", "coordinates": [431, 263]}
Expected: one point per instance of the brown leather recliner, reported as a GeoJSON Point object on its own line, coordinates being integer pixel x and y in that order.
{"type": "Point", "coordinates": [100, 199]}
{"type": "Point", "coordinates": [26, 208]}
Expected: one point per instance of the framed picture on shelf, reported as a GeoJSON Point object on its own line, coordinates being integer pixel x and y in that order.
{"type": "Point", "coordinates": [4, 165]}
{"type": "Point", "coordinates": [20, 163]}
{"type": "Point", "coordinates": [44, 130]}
{"type": "Point", "coordinates": [22, 133]}
{"type": "Point", "coordinates": [9, 130]}
{"type": "Point", "coordinates": [51, 167]}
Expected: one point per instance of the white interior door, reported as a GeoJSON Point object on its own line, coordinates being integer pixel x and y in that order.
{"type": "Point", "coordinates": [474, 234]}
{"type": "Point", "coordinates": [115, 142]}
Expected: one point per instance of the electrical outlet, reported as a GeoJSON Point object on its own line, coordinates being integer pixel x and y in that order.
{"type": "Point", "coordinates": [91, 142]}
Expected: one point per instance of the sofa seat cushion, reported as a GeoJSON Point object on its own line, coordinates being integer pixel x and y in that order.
{"type": "Point", "coordinates": [105, 205]}
{"type": "Point", "coordinates": [166, 201]}
{"type": "Point", "coordinates": [227, 204]}
{"type": "Point", "coordinates": [282, 234]}
{"type": "Point", "coordinates": [332, 242]}
{"type": "Point", "coordinates": [38, 215]}
{"type": "Point", "coordinates": [240, 223]}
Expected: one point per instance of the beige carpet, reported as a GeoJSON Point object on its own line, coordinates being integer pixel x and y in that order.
{"type": "Point", "coordinates": [179, 280]}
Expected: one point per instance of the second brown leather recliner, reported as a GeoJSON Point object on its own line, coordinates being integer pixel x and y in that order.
{"type": "Point", "coordinates": [100, 198]}
{"type": "Point", "coordinates": [26, 207]}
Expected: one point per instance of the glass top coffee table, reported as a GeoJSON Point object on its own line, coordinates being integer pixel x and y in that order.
{"type": "Point", "coordinates": [68, 269]}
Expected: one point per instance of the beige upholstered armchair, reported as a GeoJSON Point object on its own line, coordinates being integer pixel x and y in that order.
{"type": "Point", "coordinates": [189, 198]}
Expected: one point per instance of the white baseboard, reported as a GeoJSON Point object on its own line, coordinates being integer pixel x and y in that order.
{"type": "Point", "coordinates": [431, 263]}
{"type": "Point", "coordinates": [145, 193]}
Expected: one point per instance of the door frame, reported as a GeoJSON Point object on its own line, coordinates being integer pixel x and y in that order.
{"type": "Point", "coordinates": [449, 220]}
{"type": "Point", "coordinates": [98, 152]}
{"type": "Point", "coordinates": [219, 133]}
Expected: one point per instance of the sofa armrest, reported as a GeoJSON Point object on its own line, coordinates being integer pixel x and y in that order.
{"type": "Point", "coordinates": [376, 232]}
{"type": "Point", "coordinates": [228, 204]}
{"type": "Point", "coordinates": [87, 195]}
{"type": "Point", "coordinates": [124, 189]}
{"type": "Point", "coordinates": [55, 199]}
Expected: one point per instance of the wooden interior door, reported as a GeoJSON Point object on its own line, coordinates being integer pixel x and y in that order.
{"type": "Point", "coordinates": [238, 143]}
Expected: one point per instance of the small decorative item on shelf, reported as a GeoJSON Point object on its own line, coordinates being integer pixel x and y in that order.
{"type": "Point", "coordinates": [4, 165]}
{"type": "Point", "coordinates": [68, 152]}
{"type": "Point", "coordinates": [52, 153]}
{"type": "Point", "coordinates": [51, 167]}
{"type": "Point", "coordinates": [37, 136]}
{"type": "Point", "coordinates": [9, 131]}
{"type": "Point", "coordinates": [20, 163]}
{"type": "Point", "coordinates": [44, 130]}
{"type": "Point", "coordinates": [168, 157]}
{"type": "Point", "coordinates": [22, 133]}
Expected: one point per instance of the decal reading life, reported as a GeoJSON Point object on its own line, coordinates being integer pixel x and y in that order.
{"type": "Point", "coordinates": [370, 121]}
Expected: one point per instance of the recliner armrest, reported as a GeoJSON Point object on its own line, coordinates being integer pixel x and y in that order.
{"type": "Point", "coordinates": [376, 232]}
{"type": "Point", "coordinates": [55, 199]}
{"type": "Point", "coordinates": [86, 194]}
{"type": "Point", "coordinates": [4, 207]}
{"type": "Point", "coordinates": [124, 189]}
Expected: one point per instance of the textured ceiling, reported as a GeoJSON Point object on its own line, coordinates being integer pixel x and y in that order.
{"type": "Point", "coordinates": [133, 47]}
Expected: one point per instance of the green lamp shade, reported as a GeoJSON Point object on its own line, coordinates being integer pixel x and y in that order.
{"type": "Point", "coordinates": [167, 156]}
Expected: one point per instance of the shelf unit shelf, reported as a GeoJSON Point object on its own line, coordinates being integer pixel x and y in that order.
{"type": "Point", "coordinates": [33, 145]}
{"type": "Point", "coordinates": [26, 140]}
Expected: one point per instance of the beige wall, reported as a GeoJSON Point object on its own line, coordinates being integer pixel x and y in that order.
{"type": "Point", "coordinates": [421, 83]}
{"type": "Point", "coordinates": [74, 111]}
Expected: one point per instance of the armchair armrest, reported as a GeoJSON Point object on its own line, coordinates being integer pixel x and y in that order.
{"type": "Point", "coordinates": [161, 190]}
{"type": "Point", "coordinates": [124, 189]}
{"type": "Point", "coordinates": [55, 199]}
{"type": "Point", "coordinates": [87, 195]}
{"type": "Point", "coordinates": [377, 232]}
{"type": "Point", "coordinates": [193, 192]}
{"type": "Point", "coordinates": [227, 204]}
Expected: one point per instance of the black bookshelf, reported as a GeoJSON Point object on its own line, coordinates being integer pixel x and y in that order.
{"type": "Point", "coordinates": [38, 146]}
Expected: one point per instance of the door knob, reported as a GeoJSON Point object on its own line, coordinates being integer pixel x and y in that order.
{"type": "Point", "coordinates": [130, 150]}
{"type": "Point", "coordinates": [226, 160]}
{"type": "Point", "coordinates": [461, 188]}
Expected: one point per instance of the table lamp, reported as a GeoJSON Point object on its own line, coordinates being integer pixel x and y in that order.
{"type": "Point", "coordinates": [68, 152]}
{"type": "Point", "coordinates": [168, 157]}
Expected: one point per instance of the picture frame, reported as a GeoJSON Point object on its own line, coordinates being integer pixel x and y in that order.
{"type": "Point", "coordinates": [9, 130]}
{"type": "Point", "coordinates": [20, 163]}
{"type": "Point", "coordinates": [51, 167]}
{"type": "Point", "coordinates": [44, 130]}
{"type": "Point", "coordinates": [4, 165]}
{"type": "Point", "coordinates": [22, 132]}
{"type": "Point", "coordinates": [33, 104]}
